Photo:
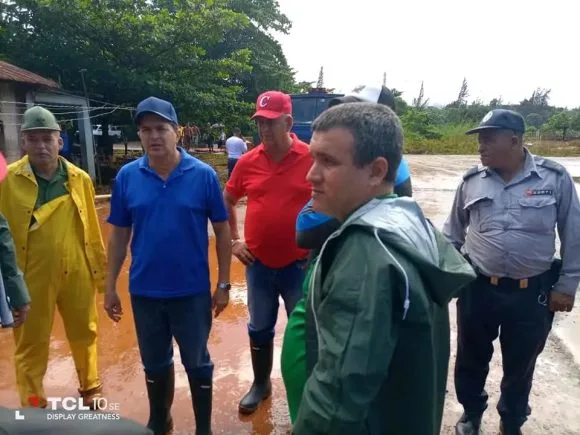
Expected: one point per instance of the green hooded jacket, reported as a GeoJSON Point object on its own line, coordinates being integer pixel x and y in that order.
{"type": "Point", "coordinates": [14, 287]}
{"type": "Point", "coordinates": [378, 324]}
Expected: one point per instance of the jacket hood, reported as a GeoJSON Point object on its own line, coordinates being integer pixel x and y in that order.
{"type": "Point", "coordinates": [400, 226]}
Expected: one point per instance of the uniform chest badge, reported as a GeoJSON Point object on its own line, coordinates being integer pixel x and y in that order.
{"type": "Point", "coordinates": [539, 192]}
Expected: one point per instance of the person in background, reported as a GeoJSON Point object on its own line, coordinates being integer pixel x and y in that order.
{"type": "Point", "coordinates": [314, 228]}
{"type": "Point", "coordinates": [273, 178]}
{"type": "Point", "coordinates": [187, 137]}
{"type": "Point", "coordinates": [195, 135]}
{"type": "Point", "coordinates": [377, 331]}
{"type": "Point", "coordinates": [66, 143]}
{"type": "Point", "coordinates": [153, 205]}
{"type": "Point", "coordinates": [50, 207]}
{"type": "Point", "coordinates": [504, 219]}
{"type": "Point", "coordinates": [180, 135]}
{"type": "Point", "coordinates": [209, 138]}
{"type": "Point", "coordinates": [235, 148]}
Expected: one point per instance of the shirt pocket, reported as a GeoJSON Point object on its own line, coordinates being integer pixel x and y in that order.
{"type": "Point", "coordinates": [480, 211]}
{"type": "Point", "coordinates": [538, 214]}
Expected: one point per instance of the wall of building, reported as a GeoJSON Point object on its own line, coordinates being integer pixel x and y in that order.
{"type": "Point", "coordinates": [11, 117]}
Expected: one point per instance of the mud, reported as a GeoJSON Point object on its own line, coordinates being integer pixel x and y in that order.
{"type": "Point", "coordinates": [555, 397]}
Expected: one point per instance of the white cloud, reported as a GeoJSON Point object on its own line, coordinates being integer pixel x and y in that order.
{"type": "Point", "coordinates": [503, 47]}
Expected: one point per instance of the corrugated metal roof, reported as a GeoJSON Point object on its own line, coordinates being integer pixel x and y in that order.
{"type": "Point", "coordinates": [12, 73]}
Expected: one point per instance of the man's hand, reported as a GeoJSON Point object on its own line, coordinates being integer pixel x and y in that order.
{"type": "Point", "coordinates": [220, 300]}
{"type": "Point", "coordinates": [561, 302]}
{"type": "Point", "coordinates": [241, 251]}
{"type": "Point", "coordinates": [113, 305]}
{"type": "Point", "coordinates": [20, 315]}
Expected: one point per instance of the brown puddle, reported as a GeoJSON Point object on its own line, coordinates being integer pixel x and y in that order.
{"type": "Point", "coordinates": [122, 373]}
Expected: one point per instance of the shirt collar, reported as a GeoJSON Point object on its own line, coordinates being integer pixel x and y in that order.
{"type": "Point", "coordinates": [529, 166]}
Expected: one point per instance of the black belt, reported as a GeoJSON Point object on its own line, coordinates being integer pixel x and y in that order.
{"type": "Point", "coordinates": [549, 277]}
{"type": "Point", "coordinates": [510, 282]}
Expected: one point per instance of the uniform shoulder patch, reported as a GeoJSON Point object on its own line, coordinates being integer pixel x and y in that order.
{"type": "Point", "coordinates": [473, 171]}
{"type": "Point", "coordinates": [550, 164]}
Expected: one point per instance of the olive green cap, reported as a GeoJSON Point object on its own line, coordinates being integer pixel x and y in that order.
{"type": "Point", "coordinates": [39, 118]}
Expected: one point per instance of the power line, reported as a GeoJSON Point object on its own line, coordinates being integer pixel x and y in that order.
{"type": "Point", "coordinates": [80, 109]}
{"type": "Point", "coordinates": [104, 103]}
{"type": "Point", "coordinates": [72, 119]}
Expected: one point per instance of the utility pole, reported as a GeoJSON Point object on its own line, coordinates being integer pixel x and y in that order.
{"type": "Point", "coordinates": [95, 149]}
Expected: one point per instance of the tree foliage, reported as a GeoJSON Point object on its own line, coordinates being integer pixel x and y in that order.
{"type": "Point", "coordinates": [560, 123]}
{"type": "Point", "coordinates": [461, 100]}
{"type": "Point", "coordinates": [209, 57]}
{"type": "Point", "coordinates": [420, 102]}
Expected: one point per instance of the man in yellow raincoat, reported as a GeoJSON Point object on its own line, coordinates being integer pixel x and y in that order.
{"type": "Point", "coordinates": [49, 205]}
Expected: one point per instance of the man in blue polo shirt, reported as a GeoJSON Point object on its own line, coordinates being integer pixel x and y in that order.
{"type": "Point", "coordinates": [169, 277]}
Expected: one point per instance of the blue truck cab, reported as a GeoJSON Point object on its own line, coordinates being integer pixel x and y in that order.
{"type": "Point", "coordinates": [305, 109]}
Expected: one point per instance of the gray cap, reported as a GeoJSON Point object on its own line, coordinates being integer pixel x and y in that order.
{"type": "Point", "coordinates": [501, 119]}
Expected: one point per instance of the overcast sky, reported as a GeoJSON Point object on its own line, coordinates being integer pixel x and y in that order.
{"type": "Point", "coordinates": [504, 48]}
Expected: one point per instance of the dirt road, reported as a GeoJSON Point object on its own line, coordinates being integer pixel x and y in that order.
{"type": "Point", "coordinates": [555, 398]}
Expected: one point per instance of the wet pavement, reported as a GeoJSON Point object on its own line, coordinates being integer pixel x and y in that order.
{"type": "Point", "coordinates": [435, 179]}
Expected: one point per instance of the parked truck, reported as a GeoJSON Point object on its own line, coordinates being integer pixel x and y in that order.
{"type": "Point", "coordinates": [305, 109]}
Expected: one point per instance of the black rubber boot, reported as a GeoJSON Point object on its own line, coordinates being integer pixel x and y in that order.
{"type": "Point", "coordinates": [468, 424]}
{"type": "Point", "coordinates": [201, 397]}
{"type": "Point", "coordinates": [160, 390]}
{"type": "Point", "coordinates": [262, 358]}
{"type": "Point", "coordinates": [509, 429]}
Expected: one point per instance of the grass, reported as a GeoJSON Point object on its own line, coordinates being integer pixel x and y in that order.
{"type": "Point", "coordinates": [218, 161]}
{"type": "Point", "coordinates": [453, 140]}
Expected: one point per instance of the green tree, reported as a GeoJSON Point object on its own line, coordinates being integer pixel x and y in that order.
{"type": "Point", "coordinates": [559, 123]}
{"type": "Point", "coordinates": [575, 121]}
{"type": "Point", "coordinates": [418, 122]}
{"type": "Point", "coordinates": [535, 120]}
{"type": "Point", "coordinates": [420, 102]}
{"type": "Point", "coordinates": [461, 100]}
{"type": "Point", "coordinates": [401, 106]}
{"type": "Point", "coordinates": [175, 49]}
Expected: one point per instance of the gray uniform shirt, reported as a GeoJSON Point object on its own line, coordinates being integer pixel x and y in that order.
{"type": "Point", "coordinates": [509, 229]}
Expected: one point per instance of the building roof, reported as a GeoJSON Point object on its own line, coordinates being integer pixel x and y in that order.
{"type": "Point", "coordinates": [12, 73]}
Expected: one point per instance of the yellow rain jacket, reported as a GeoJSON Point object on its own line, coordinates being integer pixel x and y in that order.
{"type": "Point", "coordinates": [63, 259]}
{"type": "Point", "coordinates": [18, 195]}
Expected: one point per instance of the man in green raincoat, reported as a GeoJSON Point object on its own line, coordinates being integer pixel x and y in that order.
{"type": "Point", "coordinates": [377, 321]}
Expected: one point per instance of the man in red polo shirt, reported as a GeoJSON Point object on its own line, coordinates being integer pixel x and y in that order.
{"type": "Point", "coordinates": [273, 178]}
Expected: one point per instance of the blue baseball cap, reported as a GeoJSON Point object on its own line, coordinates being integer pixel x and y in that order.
{"type": "Point", "coordinates": [158, 107]}
{"type": "Point", "coordinates": [501, 119]}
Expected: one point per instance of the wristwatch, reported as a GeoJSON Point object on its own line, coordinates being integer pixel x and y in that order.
{"type": "Point", "coordinates": [224, 286]}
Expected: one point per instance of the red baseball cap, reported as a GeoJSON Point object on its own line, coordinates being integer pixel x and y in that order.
{"type": "Point", "coordinates": [272, 105]}
{"type": "Point", "coordinates": [3, 167]}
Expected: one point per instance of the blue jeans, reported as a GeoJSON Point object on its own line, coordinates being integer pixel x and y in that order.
{"type": "Point", "coordinates": [231, 165]}
{"type": "Point", "coordinates": [188, 319]}
{"type": "Point", "coordinates": [265, 286]}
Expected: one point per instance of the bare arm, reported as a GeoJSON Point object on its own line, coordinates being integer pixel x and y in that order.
{"type": "Point", "coordinates": [117, 252]}
{"type": "Point", "coordinates": [223, 246]}
{"type": "Point", "coordinates": [232, 216]}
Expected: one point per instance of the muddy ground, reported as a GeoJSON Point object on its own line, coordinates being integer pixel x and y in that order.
{"type": "Point", "coordinates": [555, 397]}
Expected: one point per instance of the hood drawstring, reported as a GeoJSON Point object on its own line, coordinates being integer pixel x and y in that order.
{"type": "Point", "coordinates": [407, 302]}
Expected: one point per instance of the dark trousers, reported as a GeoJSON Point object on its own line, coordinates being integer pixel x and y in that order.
{"type": "Point", "coordinates": [522, 320]}
{"type": "Point", "coordinates": [265, 286]}
{"type": "Point", "coordinates": [231, 166]}
{"type": "Point", "coordinates": [188, 319]}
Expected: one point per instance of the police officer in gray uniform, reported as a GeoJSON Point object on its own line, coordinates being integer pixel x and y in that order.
{"type": "Point", "coordinates": [512, 205]}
